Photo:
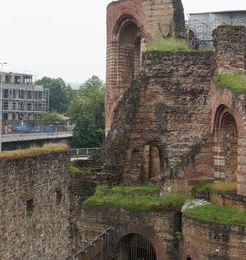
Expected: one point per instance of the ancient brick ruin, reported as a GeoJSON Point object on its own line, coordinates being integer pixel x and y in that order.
{"type": "Point", "coordinates": [171, 124]}
{"type": "Point", "coordinates": [167, 123]}
{"type": "Point", "coordinates": [131, 25]}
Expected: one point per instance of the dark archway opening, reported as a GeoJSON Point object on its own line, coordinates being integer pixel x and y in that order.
{"type": "Point", "coordinates": [135, 247]}
{"type": "Point", "coordinates": [129, 53]}
{"type": "Point", "coordinates": [226, 145]}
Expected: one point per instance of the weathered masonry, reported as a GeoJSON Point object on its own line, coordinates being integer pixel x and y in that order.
{"type": "Point", "coordinates": [131, 25]}
{"type": "Point", "coordinates": [174, 125]}
{"type": "Point", "coordinates": [34, 205]}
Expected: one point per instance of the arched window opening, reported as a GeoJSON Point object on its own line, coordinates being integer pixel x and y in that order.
{"type": "Point", "coordinates": [226, 145]}
{"type": "Point", "coordinates": [135, 246]}
{"type": "Point", "coordinates": [129, 53]}
{"type": "Point", "coordinates": [151, 162]}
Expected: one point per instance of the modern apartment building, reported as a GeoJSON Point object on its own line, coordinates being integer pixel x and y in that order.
{"type": "Point", "coordinates": [21, 98]}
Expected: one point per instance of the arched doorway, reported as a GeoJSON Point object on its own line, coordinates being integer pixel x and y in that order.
{"type": "Point", "coordinates": [135, 247]}
{"type": "Point", "coordinates": [226, 144]}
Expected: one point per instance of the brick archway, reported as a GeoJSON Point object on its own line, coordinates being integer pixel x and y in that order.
{"type": "Point", "coordinates": [145, 232]}
{"type": "Point", "coordinates": [225, 145]}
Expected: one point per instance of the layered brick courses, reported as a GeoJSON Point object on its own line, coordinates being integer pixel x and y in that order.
{"type": "Point", "coordinates": [167, 107]}
{"type": "Point", "coordinates": [158, 228]}
{"type": "Point", "coordinates": [149, 17]}
{"type": "Point", "coordinates": [212, 241]}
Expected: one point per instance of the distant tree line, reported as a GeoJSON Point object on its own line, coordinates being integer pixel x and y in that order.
{"type": "Point", "coordinates": [86, 110]}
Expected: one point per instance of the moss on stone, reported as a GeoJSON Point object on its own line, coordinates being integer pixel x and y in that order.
{"type": "Point", "coordinates": [234, 82]}
{"type": "Point", "coordinates": [231, 26]}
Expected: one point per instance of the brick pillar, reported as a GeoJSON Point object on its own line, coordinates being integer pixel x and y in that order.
{"type": "Point", "coordinates": [229, 44]}
{"type": "Point", "coordinates": [241, 169]}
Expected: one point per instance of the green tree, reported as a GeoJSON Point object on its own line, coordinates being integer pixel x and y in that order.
{"type": "Point", "coordinates": [49, 116]}
{"type": "Point", "coordinates": [87, 113]}
{"type": "Point", "coordinates": [60, 94]}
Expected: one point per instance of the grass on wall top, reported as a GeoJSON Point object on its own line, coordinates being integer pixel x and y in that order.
{"type": "Point", "coordinates": [220, 187]}
{"type": "Point", "coordinates": [47, 149]}
{"type": "Point", "coordinates": [168, 45]}
{"type": "Point", "coordinates": [215, 214]}
{"type": "Point", "coordinates": [172, 45]}
{"type": "Point", "coordinates": [234, 82]}
{"type": "Point", "coordinates": [136, 198]}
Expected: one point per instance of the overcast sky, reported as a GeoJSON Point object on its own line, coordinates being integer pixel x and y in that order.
{"type": "Point", "coordinates": [66, 38]}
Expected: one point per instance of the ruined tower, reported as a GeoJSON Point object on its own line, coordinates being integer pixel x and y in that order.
{"type": "Point", "coordinates": [131, 25]}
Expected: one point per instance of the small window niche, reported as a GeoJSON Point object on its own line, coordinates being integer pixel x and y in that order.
{"type": "Point", "coordinates": [29, 207]}
{"type": "Point", "coordinates": [58, 196]}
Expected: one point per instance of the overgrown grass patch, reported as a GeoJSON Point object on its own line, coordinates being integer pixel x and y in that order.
{"type": "Point", "coordinates": [76, 171]}
{"type": "Point", "coordinates": [47, 149]}
{"type": "Point", "coordinates": [220, 187]}
{"type": "Point", "coordinates": [234, 82]}
{"type": "Point", "coordinates": [136, 198]}
{"type": "Point", "coordinates": [215, 214]}
{"type": "Point", "coordinates": [136, 190]}
{"type": "Point", "coordinates": [168, 45]}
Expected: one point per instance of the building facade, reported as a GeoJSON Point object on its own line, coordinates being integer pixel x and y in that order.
{"type": "Point", "coordinates": [22, 98]}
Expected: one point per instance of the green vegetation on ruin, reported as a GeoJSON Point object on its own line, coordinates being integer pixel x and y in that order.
{"type": "Point", "coordinates": [136, 198]}
{"type": "Point", "coordinates": [32, 152]}
{"type": "Point", "coordinates": [237, 26]}
{"type": "Point", "coordinates": [220, 187]}
{"type": "Point", "coordinates": [168, 45]}
{"type": "Point", "coordinates": [76, 171]}
{"type": "Point", "coordinates": [234, 82]}
{"type": "Point", "coordinates": [172, 45]}
{"type": "Point", "coordinates": [215, 214]}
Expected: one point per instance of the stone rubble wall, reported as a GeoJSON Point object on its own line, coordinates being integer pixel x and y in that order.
{"type": "Point", "coordinates": [158, 228]}
{"type": "Point", "coordinates": [34, 207]}
{"type": "Point", "coordinates": [200, 241]}
{"type": "Point", "coordinates": [167, 106]}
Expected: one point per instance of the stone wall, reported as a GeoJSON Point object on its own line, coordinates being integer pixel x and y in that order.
{"type": "Point", "coordinates": [229, 44]}
{"type": "Point", "coordinates": [131, 25]}
{"type": "Point", "coordinates": [200, 241]}
{"type": "Point", "coordinates": [34, 207]}
{"type": "Point", "coordinates": [158, 228]}
{"type": "Point", "coordinates": [166, 108]}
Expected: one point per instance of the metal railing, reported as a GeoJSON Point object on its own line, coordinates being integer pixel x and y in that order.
{"type": "Point", "coordinates": [82, 152]}
{"type": "Point", "coordinates": [102, 247]}
{"type": "Point", "coordinates": [32, 130]}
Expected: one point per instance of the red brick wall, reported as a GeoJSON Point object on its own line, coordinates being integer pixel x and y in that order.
{"type": "Point", "coordinates": [166, 108]}
{"type": "Point", "coordinates": [123, 60]}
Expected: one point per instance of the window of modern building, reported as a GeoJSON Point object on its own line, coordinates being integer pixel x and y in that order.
{"type": "Point", "coordinates": [7, 78]}
{"type": "Point", "coordinates": [17, 79]}
{"type": "Point", "coordinates": [5, 93]}
{"type": "Point", "coordinates": [5, 116]}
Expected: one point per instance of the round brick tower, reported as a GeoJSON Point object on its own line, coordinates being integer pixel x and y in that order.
{"type": "Point", "coordinates": [131, 25]}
